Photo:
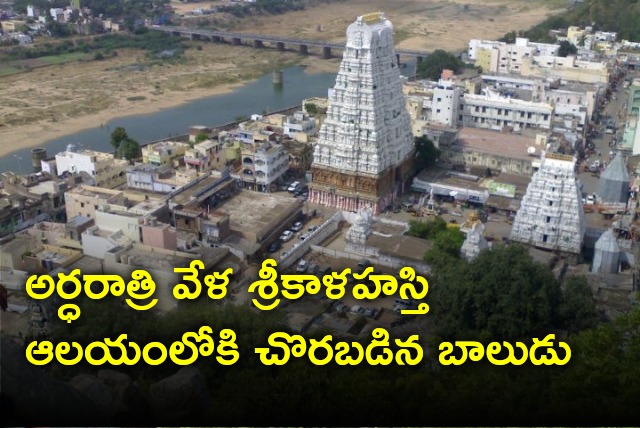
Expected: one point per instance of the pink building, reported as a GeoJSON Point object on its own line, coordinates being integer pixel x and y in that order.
{"type": "Point", "coordinates": [159, 235]}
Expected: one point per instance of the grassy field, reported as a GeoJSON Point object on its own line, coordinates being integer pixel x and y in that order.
{"type": "Point", "coordinates": [8, 70]}
{"type": "Point", "coordinates": [62, 58]}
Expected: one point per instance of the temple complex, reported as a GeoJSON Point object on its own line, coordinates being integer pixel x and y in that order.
{"type": "Point", "coordinates": [365, 148]}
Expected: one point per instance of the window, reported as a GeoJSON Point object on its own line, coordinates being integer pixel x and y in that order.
{"type": "Point", "coordinates": [544, 238]}
{"type": "Point", "coordinates": [81, 204]}
{"type": "Point", "coordinates": [550, 203]}
{"type": "Point", "coordinates": [548, 219]}
{"type": "Point", "coordinates": [439, 99]}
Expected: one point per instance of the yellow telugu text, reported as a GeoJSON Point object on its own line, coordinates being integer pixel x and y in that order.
{"type": "Point", "coordinates": [122, 351]}
{"type": "Point", "coordinates": [475, 351]}
{"type": "Point", "coordinates": [283, 346]}
{"type": "Point", "coordinates": [292, 287]}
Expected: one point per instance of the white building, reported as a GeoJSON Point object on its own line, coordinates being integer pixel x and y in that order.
{"type": "Point", "coordinates": [366, 142]}
{"type": "Point", "coordinates": [446, 102]}
{"type": "Point", "coordinates": [262, 164]}
{"type": "Point", "coordinates": [104, 168]}
{"type": "Point", "coordinates": [501, 57]}
{"type": "Point", "coordinates": [551, 214]}
{"type": "Point", "coordinates": [300, 123]}
{"type": "Point", "coordinates": [491, 110]}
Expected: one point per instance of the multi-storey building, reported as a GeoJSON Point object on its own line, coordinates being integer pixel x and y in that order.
{"type": "Point", "coordinates": [262, 165]}
{"type": "Point", "coordinates": [104, 168]}
{"type": "Point", "coordinates": [163, 152]}
{"type": "Point", "coordinates": [365, 147]}
{"type": "Point", "coordinates": [492, 110]}
{"type": "Point", "coordinates": [205, 156]}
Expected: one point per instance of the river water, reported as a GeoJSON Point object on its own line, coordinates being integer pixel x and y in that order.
{"type": "Point", "coordinates": [255, 97]}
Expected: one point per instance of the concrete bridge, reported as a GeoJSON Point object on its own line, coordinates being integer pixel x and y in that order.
{"type": "Point", "coordinates": [258, 41]}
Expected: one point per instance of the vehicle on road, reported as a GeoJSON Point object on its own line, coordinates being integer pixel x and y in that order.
{"type": "Point", "coordinates": [275, 246]}
{"type": "Point", "coordinates": [302, 266]}
{"type": "Point", "coordinates": [286, 235]}
{"type": "Point", "coordinates": [293, 186]}
{"type": "Point", "coordinates": [297, 226]}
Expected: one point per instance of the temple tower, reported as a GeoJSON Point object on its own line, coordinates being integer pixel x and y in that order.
{"type": "Point", "coordinates": [551, 214]}
{"type": "Point", "coordinates": [365, 148]}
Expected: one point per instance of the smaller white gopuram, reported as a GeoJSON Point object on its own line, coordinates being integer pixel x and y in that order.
{"type": "Point", "coordinates": [551, 214]}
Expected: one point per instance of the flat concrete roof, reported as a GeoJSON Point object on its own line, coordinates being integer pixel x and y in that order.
{"type": "Point", "coordinates": [252, 211]}
{"type": "Point", "coordinates": [402, 246]}
{"type": "Point", "coordinates": [504, 144]}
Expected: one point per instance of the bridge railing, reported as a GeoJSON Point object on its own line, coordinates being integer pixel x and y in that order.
{"type": "Point", "coordinates": [269, 38]}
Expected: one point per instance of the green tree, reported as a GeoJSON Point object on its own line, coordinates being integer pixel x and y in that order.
{"type": "Point", "coordinates": [448, 241]}
{"type": "Point", "coordinates": [426, 152]}
{"type": "Point", "coordinates": [118, 135]}
{"type": "Point", "coordinates": [502, 295]}
{"type": "Point", "coordinates": [578, 310]}
{"type": "Point", "coordinates": [567, 48]}
{"type": "Point", "coordinates": [57, 29]}
{"type": "Point", "coordinates": [202, 136]}
{"type": "Point", "coordinates": [128, 149]}
{"type": "Point", "coordinates": [431, 67]}
{"type": "Point", "coordinates": [311, 108]}
{"type": "Point", "coordinates": [509, 37]}
{"type": "Point", "coordinates": [427, 229]}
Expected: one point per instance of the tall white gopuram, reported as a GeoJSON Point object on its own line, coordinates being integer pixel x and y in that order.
{"type": "Point", "coordinates": [365, 147]}
{"type": "Point", "coordinates": [551, 214]}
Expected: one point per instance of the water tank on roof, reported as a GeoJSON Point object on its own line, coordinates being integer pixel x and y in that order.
{"type": "Point", "coordinates": [72, 148]}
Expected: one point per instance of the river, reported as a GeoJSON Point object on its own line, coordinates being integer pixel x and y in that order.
{"type": "Point", "coordinates": [257, 96]}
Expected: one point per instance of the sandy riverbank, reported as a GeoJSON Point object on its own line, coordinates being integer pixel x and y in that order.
{"type": "Point", "coordinates": [34, 111]}
{"type": "Point", "coordinates": [37, 134]}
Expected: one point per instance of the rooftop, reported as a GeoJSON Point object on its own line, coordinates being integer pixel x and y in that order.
{"type": "Point", "coordinates": [505, 144]}
{"type": "Point", "coordinates": [96, 192]}
{"type": "Point", "coordinates": [253, 211]}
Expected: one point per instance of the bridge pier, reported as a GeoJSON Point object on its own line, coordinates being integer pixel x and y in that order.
{"type": "Point", "coordinates": [280, 46]}
{"type": "Point", "coordinates": [195, 36]}
{"type": "Point", "coordinates": [236, 41]}
{"type": "Point", "coordinates": [216, 39]}
{"type": "Point", "coordinates": [176, 33]}
{"type": "Point", "coordinates": [304, 49]}
{"type": "Point", "coordinates": [398, 60]}
{"type": "Point", "coordinates": [326, 52]}
{"type": "Point", "coordinates": [258, 44]}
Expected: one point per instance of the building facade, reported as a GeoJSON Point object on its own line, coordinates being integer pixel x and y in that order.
{"type": "Point", "coordinates": [365, 147]}
{"type": "Point", "coordinates": [107, 171]}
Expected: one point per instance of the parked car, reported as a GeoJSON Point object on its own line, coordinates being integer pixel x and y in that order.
{"type": "Point", "coordinates": [297, 226]}
{"type": "Point", "coordinates": [304, 236]}
{"type": "Point", "coordinates": [286, 235]}
{"type": "Point", "coordinates": [302, 266]}
{"type": "Point", "coordinates": [325, 271]}
{"type": "Point", "coordinates": [313, 268]}
{"type": "Point", "coordinates": [301, 190]}
{"type": "Point", "coordinates": [275, 246]}
{"type": "Point", "coordinates": [293, 186]}
{"type": "Point", "coordinates": [363, 265]}
{"type": "Point", "coordinates": [313, 229]}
